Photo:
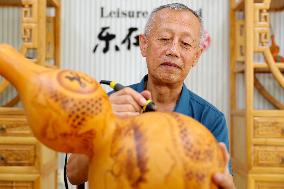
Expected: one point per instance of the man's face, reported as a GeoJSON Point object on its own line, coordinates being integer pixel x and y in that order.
{"type": "Point", "coordinates": [171, 47]}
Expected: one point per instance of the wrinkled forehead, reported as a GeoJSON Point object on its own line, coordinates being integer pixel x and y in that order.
{"type": "Point", "coordinates": [183, 18]}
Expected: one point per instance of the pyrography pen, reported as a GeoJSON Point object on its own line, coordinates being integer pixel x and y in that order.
{"type": "Point", "coordinates": [148, 107]}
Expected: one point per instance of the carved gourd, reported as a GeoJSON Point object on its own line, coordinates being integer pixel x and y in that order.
{"type": "Point", "coordinates": [70, 112]}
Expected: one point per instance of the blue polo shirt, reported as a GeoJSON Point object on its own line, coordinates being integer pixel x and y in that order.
{"type": "Point", "coordinates": [196, 107]}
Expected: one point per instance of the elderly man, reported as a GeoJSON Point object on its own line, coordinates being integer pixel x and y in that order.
{"type": "Point", "coordinates": [172, 46]}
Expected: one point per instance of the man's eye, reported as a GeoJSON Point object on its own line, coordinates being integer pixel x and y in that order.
{"type": "Point", "coordinates": [186, 45]}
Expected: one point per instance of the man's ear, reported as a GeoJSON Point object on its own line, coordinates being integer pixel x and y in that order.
{"type": "Point", "coordinates": [143, 44]}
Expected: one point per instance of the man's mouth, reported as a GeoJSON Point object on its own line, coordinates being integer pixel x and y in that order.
{"type": "Point", "coordinates": [170, 64]}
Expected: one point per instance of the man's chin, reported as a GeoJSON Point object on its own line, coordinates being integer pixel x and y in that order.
{"type": "Point", "coordinates": [169, 78]}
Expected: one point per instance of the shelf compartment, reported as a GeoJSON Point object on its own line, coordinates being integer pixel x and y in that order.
{"type": "Point", "coordinates": [275, 5]}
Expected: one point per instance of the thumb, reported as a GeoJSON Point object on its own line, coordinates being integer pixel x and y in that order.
{"type": "Point", "coordinates": [146, 94]}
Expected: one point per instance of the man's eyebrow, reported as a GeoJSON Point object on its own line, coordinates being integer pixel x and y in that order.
{"type": "Point", "coordinates": [166, 30]}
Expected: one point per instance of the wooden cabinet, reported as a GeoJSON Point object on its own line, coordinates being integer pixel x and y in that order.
{"type": "Point", "coordinates": [24, 162]}
{"type": "Point", "coordinates": [258, 150]}
{"type": "Point", "coordinates": [257, 135]}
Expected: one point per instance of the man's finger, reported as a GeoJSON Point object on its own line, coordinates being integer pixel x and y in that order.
{"type": "Point", "coordinates": [224, 181]}
{"type": "Point", "coordinates": [125, 108]}
{"type": "Point", "coordinates": [220, 180]}
{"type": "Point", "coordinates": [124, 100]}
{"type": "Point", "coordinates": [146, 94]}
{"type": "Point", "coordinates": [136, 96]}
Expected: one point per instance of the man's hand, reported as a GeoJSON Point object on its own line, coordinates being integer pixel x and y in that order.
{"type": "Point", "coordinates": [224, 180]}
{"type": "Point", "coordinates": [127, 102]}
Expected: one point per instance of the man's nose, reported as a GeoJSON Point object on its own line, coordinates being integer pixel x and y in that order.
{"type": "Point", "coordinates": [173, 49]}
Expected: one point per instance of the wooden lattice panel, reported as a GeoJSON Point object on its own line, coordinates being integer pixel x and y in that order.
{"type": "Point", "coordinates": [261, 23]}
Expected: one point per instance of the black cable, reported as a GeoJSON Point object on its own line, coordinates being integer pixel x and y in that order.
{"type": "Point", "coordinates": [65, 174]}
{"type": "Point", "coordinates": [116, 86]}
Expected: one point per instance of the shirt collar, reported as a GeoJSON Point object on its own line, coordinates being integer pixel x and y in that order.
{"type": "Point", "coordinates": [141, 85]}
{"type": "Point", "coordinates": [182, 105]}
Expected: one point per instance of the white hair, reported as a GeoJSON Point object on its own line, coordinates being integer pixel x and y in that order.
{"type": "Point", "coordinates": [174, 6]}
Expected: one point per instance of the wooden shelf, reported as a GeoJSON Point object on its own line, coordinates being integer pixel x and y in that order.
{"type": "Point", "coordinates": [260, 113]}
{"type": "Point", "coordinates": [271, 113]}
{"type": "Point", "coordinates": [18, 3]}
{"type": "Point", "coordinates": [260, 68]}
{"type": "Point", "coordinates": [11, 111]}
{"type": "Point", "coordinates": [256, 133]}
{"type": "Point", "coordinates": [276, 5]}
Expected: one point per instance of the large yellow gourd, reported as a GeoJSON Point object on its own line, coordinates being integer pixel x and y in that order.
{"type": "Point", "coordinates": [69, 112]}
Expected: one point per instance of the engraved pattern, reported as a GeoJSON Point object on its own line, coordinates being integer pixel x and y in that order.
{"type": "Point", "coordinates": [78, 110]}
{"type": "Point", "coordinates": [129, 155]}
{"type": "Point", "coordinates": [192, 153]}
{"type": "Point", "coordinates": [269, 156]}
{"type": "Point", "coordinates": [77, 82]}
{"type": "Point", "coordinates": [17, 155]}
{"type": "Point", "coordinates": [268, 128]}
{"type": "Point", "coordinates": [86, 139]}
